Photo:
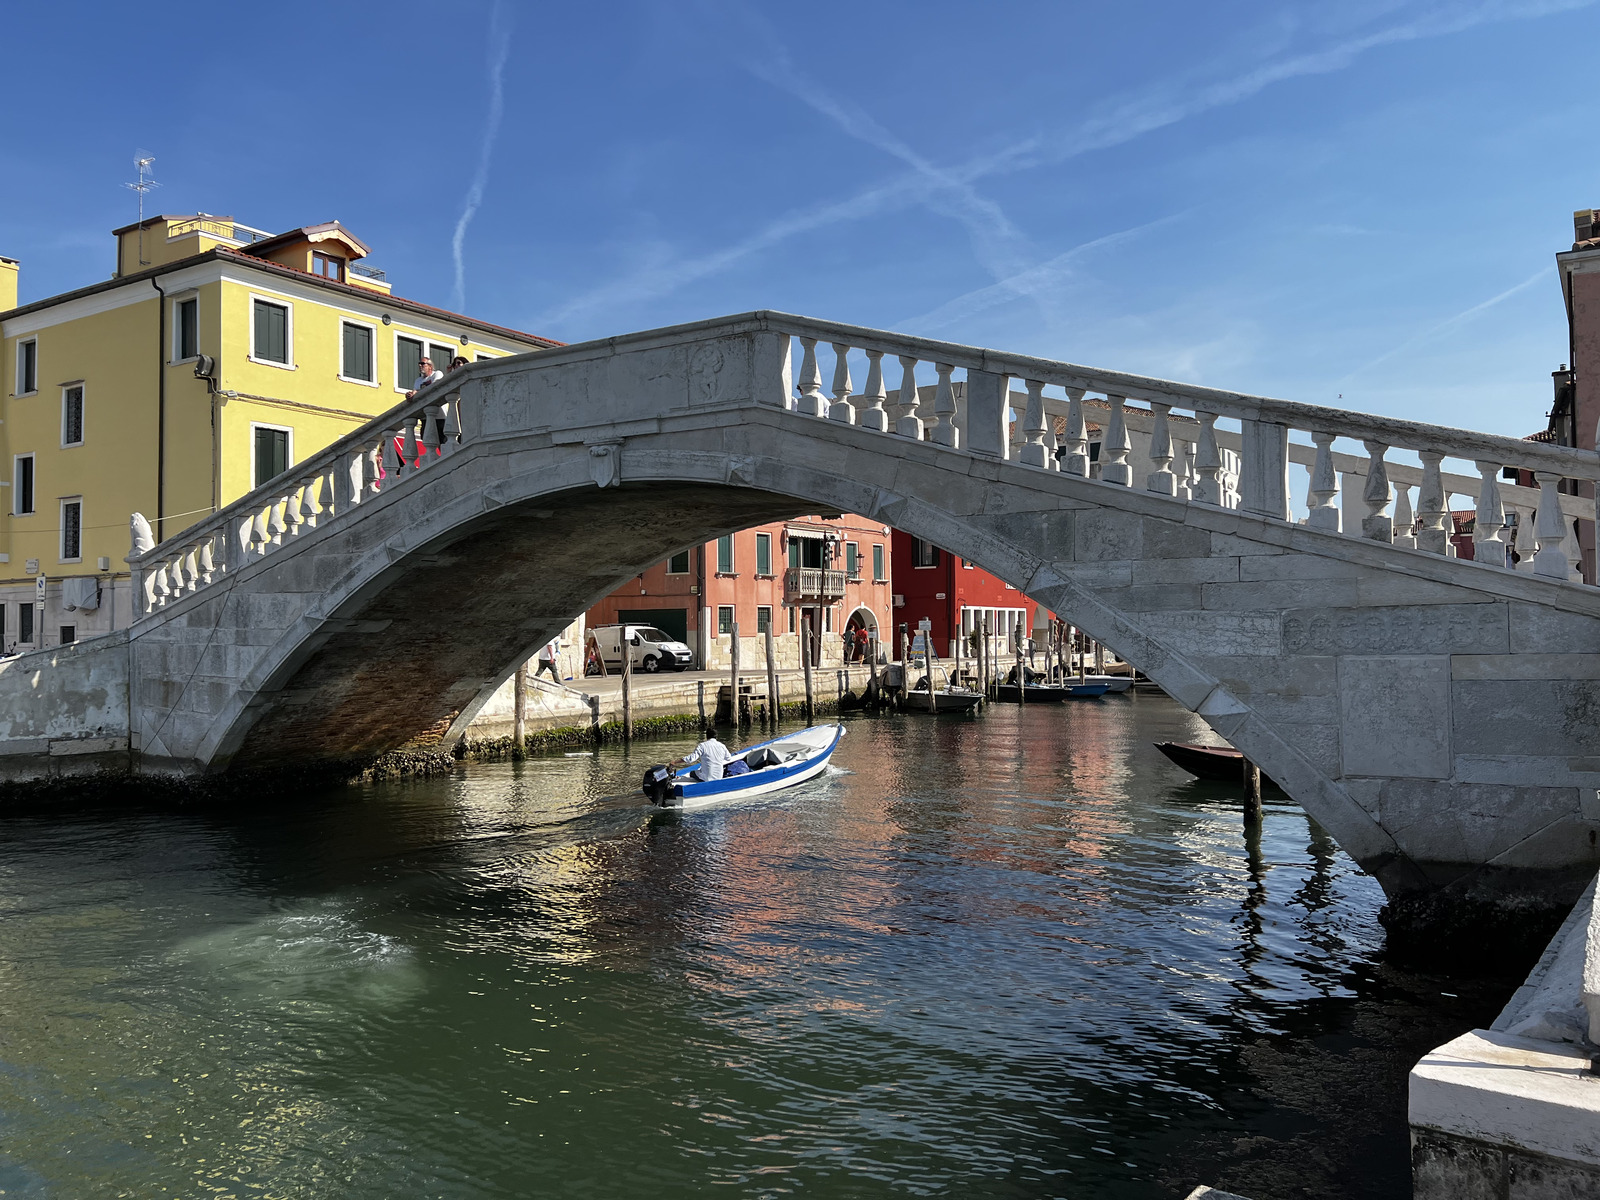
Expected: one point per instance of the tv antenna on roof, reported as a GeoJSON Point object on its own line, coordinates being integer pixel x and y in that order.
{"type": "Point", "coordinates": [144, 163]}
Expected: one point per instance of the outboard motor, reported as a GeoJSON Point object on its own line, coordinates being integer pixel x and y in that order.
{"type": "Point", "coordinates": [658, 787]}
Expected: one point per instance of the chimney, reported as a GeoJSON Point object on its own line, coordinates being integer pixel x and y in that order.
{"type": "Point", "coordinates": [8, 283]}
{"type": "Point", "coordinates": [1585, 225]}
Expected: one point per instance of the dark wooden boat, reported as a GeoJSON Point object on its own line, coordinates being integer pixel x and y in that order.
{"type": "Point", "coordinates": [1222, 763]}
{"type": "Point", "coordinates": [958, 701]}
{"type": "Point", "coordinates": [1041, 693]}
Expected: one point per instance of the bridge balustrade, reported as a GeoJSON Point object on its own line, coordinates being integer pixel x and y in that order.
{"type": "Point", "coordinates": [1186, 467]}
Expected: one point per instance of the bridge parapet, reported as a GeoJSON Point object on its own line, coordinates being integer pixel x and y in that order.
{"type": "Point", "coordinates": [750, 358]}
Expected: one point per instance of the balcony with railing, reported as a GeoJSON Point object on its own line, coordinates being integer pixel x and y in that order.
{"type": "Point", "coordinates": [812, 585]}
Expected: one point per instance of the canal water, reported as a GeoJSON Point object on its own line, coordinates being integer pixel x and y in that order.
{"type": "Point", "coordinates": [1013, 956]}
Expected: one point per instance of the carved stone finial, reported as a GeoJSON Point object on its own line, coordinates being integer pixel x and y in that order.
{"type": "Point", "coordinates": [139, 528]}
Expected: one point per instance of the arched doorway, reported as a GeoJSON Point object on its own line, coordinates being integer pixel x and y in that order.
{"type": "Point", "coordinates": [862, 626]}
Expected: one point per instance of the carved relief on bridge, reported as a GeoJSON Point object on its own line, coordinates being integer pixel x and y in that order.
{"type": "Point", "coordinates": [1414, 629]}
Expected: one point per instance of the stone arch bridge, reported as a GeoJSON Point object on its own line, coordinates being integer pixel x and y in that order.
{"type": "Point", "coordinates": [1440, 717]}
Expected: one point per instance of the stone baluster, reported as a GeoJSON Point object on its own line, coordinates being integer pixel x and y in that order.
{"type": "Point", "coordinates": [259, 536]}
{"type": "Point", "coordinates": [1321, 505]}
{"type": "Point", "coordinates": [432, 418]}
{"type": "Point", "coordinates": [175, 574]}
{"type": "Point", "coordinates": [811, 403]}
{"type": "Point", "coordinates": [1051, 445]}
{"type": "Point", "coordinates": [208, 562]}
{"type": "Point", "coordinates": [1377, 525]}
{"type": "Point", "coordinates": [312, 505]}
{"type": "Point", "coordinates": [1487, 543]}
{"type": "Point", "coordinates": [452, 424]}
{"type": "Point", "coordinates": [841, 409]}
{"type": "Point", "coordinates": [370, 483]}
{"type": "Point", "coordinates": [393, 464]}
{"type": "Point", "coordinates": [1523, 542]}
{"type": "Point", "coordinates": [1161, 480]}
{"type": "Point", "coordinates": [1570, 548]}
{"type": "Point", "coordinates": [944, 432]}
{"type": "Point", "coordinates": [874, 416]}
{"type": "Point", "coordinates": [1431, 507]}
{"type": "Point", "coordinates": [1405, 525]}
{"type": "Point", "coordinates": [293, 517]}
{"type": "Point", "coordinates": [147, 587]}
{"type": "Point", "coordinates": [1450, 548]}
{"type": "Point", "coordinates": [408, 443]}
{"type": "Point", "coordinates": [1115, 447]}
{"type": "Point", "coordinates": [1183, 463]}
{"type": "Point", "coordinates": [1034, 452]}
{"type": "Point", "coordinates": [275, 523]}
{"type": "Point", "coordinates": [909, 423]}
{"type": "Point", "coordinates": [190, 558]}
{"type": "Point", "coordinates": [1549, 529]}
{"type": "Point", "coordinates": [163, 588]}
{"type": "Point", "coordinates": [1076, 460]}
{"type": "Point", "coordinates": [1207, 461]}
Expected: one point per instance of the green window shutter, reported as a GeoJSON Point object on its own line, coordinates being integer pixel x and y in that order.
{"type": "Point", "coordinates": [188, 328]}
{"type": "Point", "coordinates": [763, 554]}
{"type": "Point", "coordinates": [794, 552]}
{"type": "Point", "coordinates": [358, 352]}
{"type": "Point", "coordinates": [272, 332]}
{"type": "Point", "coordinates": [272, 454]}
{"type": "Point", "coordinates": [725, 554]}
{"type": "Point", "coordinates": [852, 559]}
{"type": "Point", "coordinates": [410, 356]}
{"type": "Point", "coordinates": [877, 562]}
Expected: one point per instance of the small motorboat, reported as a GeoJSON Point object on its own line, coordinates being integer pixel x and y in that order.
{"type": "Point", "coordinates": [1114, 683]}
{"type": "Point", "coordinates": [950, 700]}
{"type": "Point", "coordinates": [1045, 693]}
{"type": "Point", "coordinates": [771, 766]}
{"type": "Point", "coordinates": [1222, 763]}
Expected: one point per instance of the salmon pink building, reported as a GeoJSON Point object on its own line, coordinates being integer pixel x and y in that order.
{"type": "Point", "coordinates": [832, 572]}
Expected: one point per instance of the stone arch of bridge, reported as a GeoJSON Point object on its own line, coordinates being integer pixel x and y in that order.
{"type": "Point", "coordinates": [431, 607]}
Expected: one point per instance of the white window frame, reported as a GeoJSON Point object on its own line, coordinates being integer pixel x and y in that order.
{"type": "Point", "coordinates": [61, 540]}
{"type": "Point", "coordinates": [373, 382]}
{"type": "Point", "coordinates": [288, 450]}
{"type": "Point", "coordinates": [688, 566]}
{"type": "Point", "coordinates": [288, 330]}
{"type": "Point", "coordinates": [856, 546]}
{"type": "Point", "coordinates": [770, 574]}
{"type": "Point", "coordinates": [733, 618]}
{"type": "Point", "coordinates": [83, 415]}
{"type": "Point", "coordinates": [880, 561]}
{"type": "Point", "coordinates": [21, 342]}
{"type": "Point", "coordinates": [915, 565]}
{"type": "Point", "coordinates": [173, 358]}
{"type": "Point", "coordinates": [16, 490]}
{"type": "Point", "coordinates": [733, 557]}
{"type": "Point", "coordinates": [34, 619]}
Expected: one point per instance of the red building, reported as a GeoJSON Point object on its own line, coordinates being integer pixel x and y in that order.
{"type": "Point", "coordinates": [953, 594]}
{"type": "Point", "coordinates": [830, 571]}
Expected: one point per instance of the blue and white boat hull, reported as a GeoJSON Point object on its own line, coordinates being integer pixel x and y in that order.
{"type": "Point", "coordinates": [802, 756]}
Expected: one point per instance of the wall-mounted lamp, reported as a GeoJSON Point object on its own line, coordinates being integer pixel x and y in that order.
{"type": "Point", "coordinates": [387, 320]}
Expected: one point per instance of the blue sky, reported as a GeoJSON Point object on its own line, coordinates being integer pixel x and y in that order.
{"type": "Point", "coordinates": [1304, 200]}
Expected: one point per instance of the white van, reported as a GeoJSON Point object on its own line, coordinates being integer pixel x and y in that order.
{"type": "Point", "coordinates": [651, 649]}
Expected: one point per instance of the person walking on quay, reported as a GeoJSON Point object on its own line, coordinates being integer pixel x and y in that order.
{"type": "Point", "coordinates": [862, 648]}
{"type": "Point", "coordinates": [547, 660]}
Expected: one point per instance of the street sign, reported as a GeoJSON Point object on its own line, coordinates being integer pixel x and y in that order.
{"type": "Point", "coordinates": [926, 624]}
{"type": "Point", "coordinates": [38, 588]}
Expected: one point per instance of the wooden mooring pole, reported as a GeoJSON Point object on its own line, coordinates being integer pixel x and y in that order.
{"type": "Point", "coordinates": [772, 684]}
{"type": "Point", "coordinates": [733, 678]}
{"type": "Point", "coordinates": [805, 659]}
{"type": "Point", "coordinates": [1252, 793]}
{"type": "Point", "coordinates": [627, 687]}
{"type": "Point", "coordinates": [519, 719]}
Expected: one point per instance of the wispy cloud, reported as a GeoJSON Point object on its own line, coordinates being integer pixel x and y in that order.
{"type": "Point", "coordinates": [1445, 326]}
{"type": "Point", "coordinates": [499, 47]}
{"type": "Point", "coordinates": [1031, 282]}
{"type": "Point", "coordinates": [1107, 126]}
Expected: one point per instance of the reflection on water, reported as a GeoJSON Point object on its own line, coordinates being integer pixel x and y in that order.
{"type": "Point", "coordinates": [1014, 956]}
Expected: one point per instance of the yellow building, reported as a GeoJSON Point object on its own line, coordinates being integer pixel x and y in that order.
{"type": "Point", "coordinates": [216, 356]}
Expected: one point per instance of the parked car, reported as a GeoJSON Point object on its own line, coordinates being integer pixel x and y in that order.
{"type": "Point", "coordinates": [650, 648]}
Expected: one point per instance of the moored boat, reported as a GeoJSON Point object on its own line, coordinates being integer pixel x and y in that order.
{"type": "Point", "coordinates": [780, 763]}
{"type": "Point", "coordinates": [950, 700]}
{"type": "Point", "coordinates": [1044, 693]}
{"type": "Point", "coordinates": [1222, 763]}
{"type": "Point", "coordinates": [1114, 683]}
